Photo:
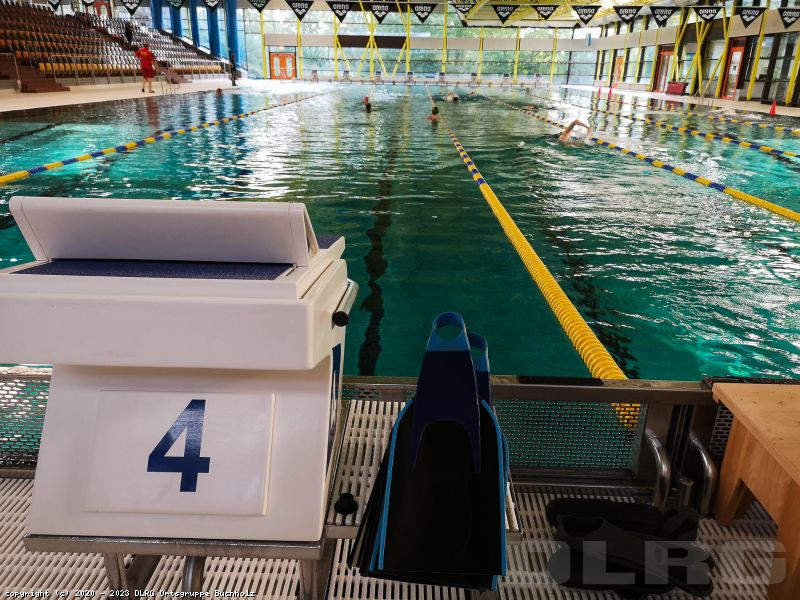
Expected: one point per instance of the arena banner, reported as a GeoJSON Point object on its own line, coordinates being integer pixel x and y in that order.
{"type": "Point", "coordinates": [88, 2]}
{"type": "Point", "coordinates": [545, 10]}
{"type": "Point", "coordinates": [423, 11]}
{"type": "Point", "coordinates": [662, 14]}
{"type": "Point", "coordinates": [749, 14]}
{"type": "Point", "coordinates": [54, 4]}
{"type": "Point", "coordinates": [789, 16]}
{"type": "Point", "coordinates": [175, 3]}
{"type": "Point", "coordinates": [380, 10]}
{"type": "Point", "coordinates": [627, 13]}
{"type": "Point", "coordinates": [707, 13]}
{"type": "Point", "coordinates": [299, 7]}
{"type": "Point", "coordinates": [585, 12]}
{"type": "Point", "coordinates": [463, 7]}
{"type": "Point", "coordinates": [340, 9]}
{"type": "Point", "coordinates": [131, 5]}
{"type": "Point", "coordinates": [504, 11]}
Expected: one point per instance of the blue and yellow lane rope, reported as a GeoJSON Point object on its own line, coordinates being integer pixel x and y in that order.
{"type": "Point", "coordinates": [738, 122]}
{"type": "Point", "coordinates": [596, 357]}
{"type": "Point", "coordinates": [711, 137]}
{"type": "Point", "coordinates": [17, 175]}
{"type": "Point", "coordinates": [720, 187]}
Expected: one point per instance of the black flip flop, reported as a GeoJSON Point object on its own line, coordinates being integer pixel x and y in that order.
{"type": "Point", "coordinates": [679, 523]}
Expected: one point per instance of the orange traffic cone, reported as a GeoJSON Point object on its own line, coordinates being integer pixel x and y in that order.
{"type": "Point", "coordinates": [774, 106]}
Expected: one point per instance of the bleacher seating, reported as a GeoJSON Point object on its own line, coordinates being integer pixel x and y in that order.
{"type": "Point", "coordinates": [180, 58]}
{"type": "Point", "coordinates": [49, 46]}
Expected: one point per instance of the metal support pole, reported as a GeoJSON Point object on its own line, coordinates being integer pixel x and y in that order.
{"type": "Point", "coordinates": [655, 63]}
{"type": "Point", "coordinates": [408, 40]}
{"type": "Point", "coordinates": [722, 63]}
{"type": "Point", "coordinates": [516, 56]}
{"type": "Point", "coordinates": [641, 51]}
{"type": "Point", "coordinates": [793, 75]}
{"type": "Point", "coordinates": [444, 40]}
{"type": "Point", "coordinates": [683, 24]}
{"type": "Point", "coordinates": [757, 57]}
{"type": "Point", "coordinates": [370, 19]}
{"type": "Point", "coordinates": [600, 54]}
{"type": "Point", "coordinates": [553, 55]}
{"type": "Point", "coordinates": [335, 47]}
{"type": "Point", "coordinates": [193, 23]}
{"type": "Point", "coordinates": [480, 53]}
{"type": "Point", "coordinates": [263, 43]}
{"type": "Point", "coordinates": [299, 51]}
{"type": "Point", "coordinates": [697, 62]}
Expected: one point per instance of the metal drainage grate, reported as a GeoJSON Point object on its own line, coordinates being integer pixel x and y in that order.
{"type": "Point", "coordinates": [741, 552]}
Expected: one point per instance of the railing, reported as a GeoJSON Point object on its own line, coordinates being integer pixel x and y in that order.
{"type": "Point", "coordinates": [16, 68]}
{"type": "Point", "coordinates": [73, 59]}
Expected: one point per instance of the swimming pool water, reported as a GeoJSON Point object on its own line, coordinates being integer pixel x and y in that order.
{"type": "Point", "coordinates": [677, 280]}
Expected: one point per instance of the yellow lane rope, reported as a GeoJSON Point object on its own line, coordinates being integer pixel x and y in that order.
{"type": "Point", "coordinates": [720, 187]}
{"type": "Point", "coordinates": [684, 130]}
{"type": "Point", "coordinates": [591, 350]}
{"type": "Point", "coordinates": [739, 122]}
{"type": "Point", "coordinates": [16, 176]}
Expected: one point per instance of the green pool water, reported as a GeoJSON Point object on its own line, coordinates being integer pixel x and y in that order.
{"type": "Point", "coordinates": [677, 280]}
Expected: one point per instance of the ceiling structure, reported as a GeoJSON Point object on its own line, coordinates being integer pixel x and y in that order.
{"type": "Point", "coordinates": [482, 14]}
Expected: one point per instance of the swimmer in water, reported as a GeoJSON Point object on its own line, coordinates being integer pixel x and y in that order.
{"type": "Point", "coordinates": [451, 97]}
{"type": "Point", "coordinates": [473, 94]}
{"type": "Point", "coordinates": [567, 137]}
{"type": "Point", "coordinates": [368, 107]}
{"type": "Point", "coordinates": [434, 116]}
{"type": "Point", "coordinates": [365, 101]}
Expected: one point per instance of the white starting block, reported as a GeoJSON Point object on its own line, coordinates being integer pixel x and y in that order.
{"type": "Point", "coordinates": [197, 350]}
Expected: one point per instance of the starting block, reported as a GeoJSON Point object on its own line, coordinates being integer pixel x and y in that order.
{"type": "Point", "coordinates": [197, 354]}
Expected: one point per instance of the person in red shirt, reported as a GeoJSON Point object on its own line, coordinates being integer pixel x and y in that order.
{"type": "Point", "coordinates": [147, 61]}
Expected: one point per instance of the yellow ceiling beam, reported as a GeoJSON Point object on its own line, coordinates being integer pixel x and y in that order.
{"type": "Point", "coordinates": [474, 10]}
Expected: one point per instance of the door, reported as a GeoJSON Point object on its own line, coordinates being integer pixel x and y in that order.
{"type": "Point", "coordinates": [731, 82]}
{"type": "Point", "coordinates": [282, 65]}
{"type": "Point", "coordinates": [663, 67]}
{"type": "Point", "coordinates": [619, 69]}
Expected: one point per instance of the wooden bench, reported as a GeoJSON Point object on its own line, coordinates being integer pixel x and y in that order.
{"type": "Point", "coordinates": [762, 461]}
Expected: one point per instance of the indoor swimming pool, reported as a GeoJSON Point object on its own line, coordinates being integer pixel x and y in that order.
{"type": "Point", "coordinates": [677, 280]}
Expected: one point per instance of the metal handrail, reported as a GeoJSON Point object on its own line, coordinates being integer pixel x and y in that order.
{"type": "Point", "coordinates": [72, 58]}
{"type": "Point", "coordinates": [663, 470]}
{"type": "Point", "coordinates": [710, 474]}
{"type": "Point", "coordinates": [16, 68]}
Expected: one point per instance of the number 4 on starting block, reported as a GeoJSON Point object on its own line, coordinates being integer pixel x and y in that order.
{"type": "Point", "coordinates": [213, 458]}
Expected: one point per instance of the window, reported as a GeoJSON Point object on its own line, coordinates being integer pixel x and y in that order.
{"type": "Point", "coordinates": [166, 18]}
{"type": "Point", "coordinates": [647, 64]}
{"type": "Point", "coordinates": [187, 28]}
{"type": "Point", "coordinates": [202, 26]}
{"type": "Point", "coordinates": [222, 24]}
{"type": "Point", "coordinates": [631, 64]}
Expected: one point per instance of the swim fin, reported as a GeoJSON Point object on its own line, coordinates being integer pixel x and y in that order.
{"type": "Point", "coordinates": [436, 513]}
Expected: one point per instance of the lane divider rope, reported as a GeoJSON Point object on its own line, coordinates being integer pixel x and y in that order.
{"type": "Point", "coordinates": [712, 117]}
{"type": "Point", "coordinates": [720, 187]}
{"type": "Point", "coordinates": [165, 135]}
{"type": "Point", "coordinates": [685, 130]}
{"type": "Point", "coordinates": [596, 357]}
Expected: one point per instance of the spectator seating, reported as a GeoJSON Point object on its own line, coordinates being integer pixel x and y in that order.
{"type": "Point", "coordinates": [48, 47]}
{"type": "Point", "coordinates": [182, 59]}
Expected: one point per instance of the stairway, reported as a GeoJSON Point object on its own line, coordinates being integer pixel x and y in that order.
{"type": "Point", "coordinates": [32, 80]}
